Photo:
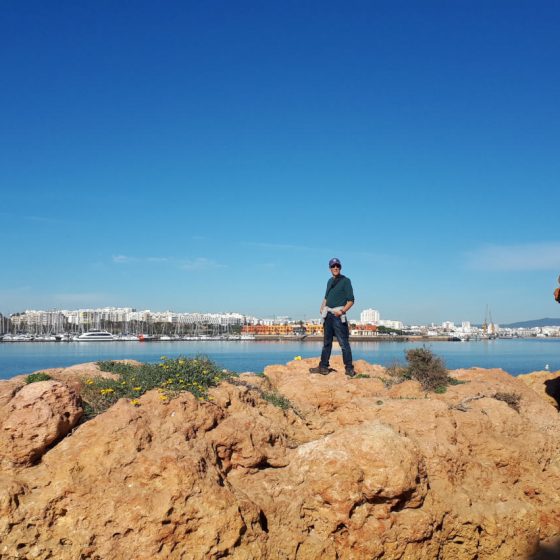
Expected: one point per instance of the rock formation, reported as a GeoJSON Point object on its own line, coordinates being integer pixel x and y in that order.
{"type": "Point", "coordinates": [352, 469]}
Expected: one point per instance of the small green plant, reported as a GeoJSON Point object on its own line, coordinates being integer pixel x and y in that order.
{"type": "Point", "coordinates": [440, 389]}
{"type": "Point", "coordinates": [39, 376]}
{"type": "Point", "coordinates": [362, 376]}
{"type": "Point", "coordinates": [453, 381]}
{"type": "Point", "coordinates": [397, 373]}
{"type": "Point", "coordinates": [277, 400]}
{"type": "Point", "coordinates": [170, 377]}
{"type": "Point", "coordinates": [511, 399]}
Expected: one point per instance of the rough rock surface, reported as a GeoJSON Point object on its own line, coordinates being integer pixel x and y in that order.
{"type": "Point", "coordinates": [353, 470]}
{"type": "Point", "coordinates": [37, 415]}
{"type": "Point", "coordinates": [546, 384]}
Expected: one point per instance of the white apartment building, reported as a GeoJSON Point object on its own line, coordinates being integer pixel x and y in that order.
{"type": "Point", "coordinates": [369, 316]}
{"type": "Point", "coordinates": [397, 325]}
{"type": "Point", "coordinates": [53, 320]}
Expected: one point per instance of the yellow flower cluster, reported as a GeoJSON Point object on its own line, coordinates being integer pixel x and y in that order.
{"type": "Point", "coordinates": [89, 382]}
{"type": "Point", "coordinates": [297, 358]}
{"type": "Point", "coordinates": [107, 391]}
{"type": "Point", "coordinates": [135, 402]}
{"type": "Point", "coordinates": [136, 388]}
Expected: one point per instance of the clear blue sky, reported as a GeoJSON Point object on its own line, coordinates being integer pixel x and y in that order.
{"type": "Point", "coordinates": [212, 156]}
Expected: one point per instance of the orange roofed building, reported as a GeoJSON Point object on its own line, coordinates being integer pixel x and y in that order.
{"type": "Point", "coordinates": [291, 329]}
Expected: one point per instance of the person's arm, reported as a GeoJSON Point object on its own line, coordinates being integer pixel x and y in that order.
{"type": "Point", "coordinates": [324, 302]}
{"type": "Point", "coordinates": [345, 309]}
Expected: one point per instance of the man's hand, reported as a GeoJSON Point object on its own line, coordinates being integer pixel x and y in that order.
{"type": "Point", "coordinates": [339, 313]}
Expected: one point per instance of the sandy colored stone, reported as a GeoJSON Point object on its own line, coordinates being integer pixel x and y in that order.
{"type": "Point", "coordinates": [546, 384]}
{"type": "Point", "coordinates": [352, 470]}
{"type": "Point", "coordinates": [37, 415]}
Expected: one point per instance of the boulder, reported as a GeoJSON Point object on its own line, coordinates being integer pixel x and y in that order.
{"type": "Point", "coordinates": [37, 416]}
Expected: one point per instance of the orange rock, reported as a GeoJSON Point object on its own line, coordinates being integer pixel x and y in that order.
{"type": "Point", "coordinates": [37, 415]}
{"type": "Point", "coordinates": [546, 384]}
{"type": "Point", "coordinates": [351, 470]}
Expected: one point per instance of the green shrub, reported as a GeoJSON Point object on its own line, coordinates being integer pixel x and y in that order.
{"type": "Point", "coordinates": [170, 376]}
{"type": "Point", "coordinates": [424, 367]}
{"type": "Point", "coordinates": [39, 376]}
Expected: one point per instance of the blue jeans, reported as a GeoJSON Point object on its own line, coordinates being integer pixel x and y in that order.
{"type": "Point", "coordinates": [333, 326]}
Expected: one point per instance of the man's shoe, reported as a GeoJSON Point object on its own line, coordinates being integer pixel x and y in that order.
{"type": "Point", "coordinates": [320, 369]}
{"type": "Point", "coordinates": [350, 372]}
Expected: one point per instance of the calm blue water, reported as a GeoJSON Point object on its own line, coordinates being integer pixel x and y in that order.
{"type": "Point", "coordinates": [515, 356]}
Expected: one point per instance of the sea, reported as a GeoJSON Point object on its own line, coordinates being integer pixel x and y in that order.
{"type": "Point", "coordinates": [515, 356]}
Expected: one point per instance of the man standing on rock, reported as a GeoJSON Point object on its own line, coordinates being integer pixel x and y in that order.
{"type": "Point", "coordinates": [339, 298]}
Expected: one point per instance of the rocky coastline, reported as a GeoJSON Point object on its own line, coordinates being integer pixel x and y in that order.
{"type": "Point", "coordinates": [284, 465]}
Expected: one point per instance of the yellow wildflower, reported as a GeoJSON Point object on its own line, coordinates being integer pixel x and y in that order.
{"type": "Point", "coordinates": [135, 402]}
{"type": "Point", "coordinates": [89, 382]}
{"type": "Point", "coordinates": [163, 397]}
{"type": "Point", "coordinates": [297, 358]}
{"type": "Point", "coordinates": [136, 388]}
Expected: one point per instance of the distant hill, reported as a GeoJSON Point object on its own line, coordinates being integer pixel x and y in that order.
{"type": "Point", "coordinates": [534, 323]}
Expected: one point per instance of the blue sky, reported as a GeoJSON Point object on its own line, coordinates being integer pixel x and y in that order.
{"type": "Point", "coordinates": [212, 156]}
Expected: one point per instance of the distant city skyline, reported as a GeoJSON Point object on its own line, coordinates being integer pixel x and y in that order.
{"type": "Point", "coordinates": [127, 313]}
{"type": "Point", "coordinates": [215, 156]}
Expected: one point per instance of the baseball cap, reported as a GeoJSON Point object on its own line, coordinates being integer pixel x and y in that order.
{"type": "Point", "coordinates": [334, 261]}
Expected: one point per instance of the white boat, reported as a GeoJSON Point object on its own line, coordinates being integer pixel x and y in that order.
{"type": "Point", "coordinates": [63, 337]}
{"type": "Point", "coordinates": [94, 336]}
{"type": "Point", "coordinates": [128, 337]}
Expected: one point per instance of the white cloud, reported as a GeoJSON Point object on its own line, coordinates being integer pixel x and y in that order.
{"type": "Point", "coordinates": [123, 259]}
{"type": "Point", "coordinates": [529, 256]}
{"type": "Point", "coordinates": [201, 263]}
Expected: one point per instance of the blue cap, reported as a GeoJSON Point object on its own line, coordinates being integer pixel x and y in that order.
{"type": "Point", "coordinates": [334, 261]}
